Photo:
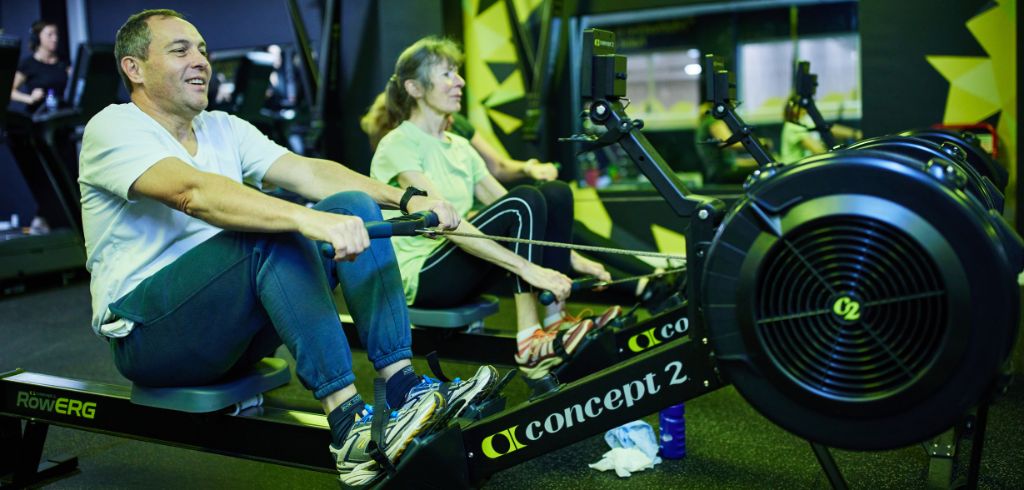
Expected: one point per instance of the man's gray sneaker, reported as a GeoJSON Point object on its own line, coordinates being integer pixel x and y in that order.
{"type": "Point", "coordinates": [455, 391]}
{"type": "Point", "coordinates": [355, 465]}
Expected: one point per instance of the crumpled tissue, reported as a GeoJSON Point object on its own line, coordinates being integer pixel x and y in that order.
{"type": "Point", "coordinates": [634, 448]}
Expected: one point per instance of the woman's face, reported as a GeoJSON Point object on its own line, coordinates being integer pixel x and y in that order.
{"type": "Point", "coordinates": [445, 96]}
{"type": "Point", "coordinates": [48, 38]}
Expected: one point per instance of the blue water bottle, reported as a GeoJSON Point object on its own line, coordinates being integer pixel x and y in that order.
{"type": "Point", "coordinates": [51, 100]}
{"type": "Point", "coordinates": [672, 428]}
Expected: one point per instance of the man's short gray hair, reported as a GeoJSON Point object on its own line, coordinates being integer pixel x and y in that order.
{"type": "Point", "coordinates": [133, 38]}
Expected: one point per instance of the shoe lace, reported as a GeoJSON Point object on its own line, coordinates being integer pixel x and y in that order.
{"type": "Point", "coordinates": [579, 317]}
{"type": "Point", "coordinates": [535, 342]}
{"type": "Point", "coordinates": [570, 318]}
{"type": "Point", "coordinates": [367, 415]}
{"type": "Point", "coordinates": [427, 382]}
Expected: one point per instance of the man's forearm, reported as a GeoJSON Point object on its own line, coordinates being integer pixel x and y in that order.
{"type": "Point", "coordinates": [330, 177]}
{"type": "Point", "coordinates": [227, 204]}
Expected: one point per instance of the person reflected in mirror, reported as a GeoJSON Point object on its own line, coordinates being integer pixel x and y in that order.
{"type": "Point", "coordinates": [800, 139]}
{"type": "Point", "coordinates": [720, 164]}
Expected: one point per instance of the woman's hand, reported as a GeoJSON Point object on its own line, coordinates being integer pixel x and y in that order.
{"type": "Point", "coordinates": [37, 95]}
{"type": "Point", "coordinates": [448, 218]}
{"type": "Point", "coordinates": [540, 171]}
{"type": "Point", "coordinates": [547, 279]}
{"type": "Point", "coordinates": [588, 267]}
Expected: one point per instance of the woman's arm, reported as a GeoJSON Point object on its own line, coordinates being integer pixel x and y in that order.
{"type": "Point", "coordinates": [488, 190]}
{"type": "Point", "coordinates": [720, 131]}
{"type": "Point", "coordinates": [490, 250]}
{"type": "Point", "coordinates": [846, 132]}
{"type": "Point", "coordinates": [36, 95]}
{"type": "Point", "coordinates": [508, 169]}
{"type": "Point", "coordinates": [812, 144]}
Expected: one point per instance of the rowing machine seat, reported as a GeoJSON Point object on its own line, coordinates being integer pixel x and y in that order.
{"type": "Point", "coordinates": [471, 314]}
{"type": "Point", "coordinates": [266, 375]}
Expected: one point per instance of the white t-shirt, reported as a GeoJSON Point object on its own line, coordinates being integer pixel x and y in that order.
{"type": "Point", "coordinates": [129, 238]}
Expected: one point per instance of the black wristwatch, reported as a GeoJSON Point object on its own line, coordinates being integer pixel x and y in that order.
{"type": "Point", "coordinates": [409, 192]}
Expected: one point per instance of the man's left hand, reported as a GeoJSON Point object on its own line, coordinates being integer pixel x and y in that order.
{"type": "Point", "coordinates": [448, 218]}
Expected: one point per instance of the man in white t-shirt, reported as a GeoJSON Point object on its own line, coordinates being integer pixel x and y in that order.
{"type": "Point", "coordinates": [196, 276]}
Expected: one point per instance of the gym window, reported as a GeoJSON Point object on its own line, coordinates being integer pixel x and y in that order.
{"type": "Point", "coordinates": [664, 87]}
{"type": "Point", "coordinates": [765, 76]}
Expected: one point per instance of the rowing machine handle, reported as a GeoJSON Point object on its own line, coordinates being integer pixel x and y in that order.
{"type": "Point", "coordinates": [547, 297]}
{"type": "Point", "coordinates": [398, 226]}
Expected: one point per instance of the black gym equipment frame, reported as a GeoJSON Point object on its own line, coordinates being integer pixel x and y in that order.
{"type": "Point", "coordinates": [805, 84]}
{"type": "Point", "coordinates": [493, 346]}
{"type": "Point", "coordinates": [42, 400]}
{"type": "Point", "coordinates": [655, 378]}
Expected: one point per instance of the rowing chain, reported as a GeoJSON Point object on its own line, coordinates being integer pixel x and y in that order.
{"type": "Point", "coordinates": [587, 248]}
{"type": "Point", "coordinates": [636, 278]}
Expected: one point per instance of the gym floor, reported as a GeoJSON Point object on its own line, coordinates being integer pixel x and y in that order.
{"type": "Point", "coordinates": [729, 444]}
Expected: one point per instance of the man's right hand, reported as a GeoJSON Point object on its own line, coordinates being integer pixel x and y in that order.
{"type": "Point", "coordinates": [37, 94]}
{"type": "Point", "coordinates": [347, 234]}
{"type": "Point", "coordinates": [547, 279]}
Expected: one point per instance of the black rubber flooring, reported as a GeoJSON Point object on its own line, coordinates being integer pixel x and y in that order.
{"type": "Point", "coordinates": [729, 444]}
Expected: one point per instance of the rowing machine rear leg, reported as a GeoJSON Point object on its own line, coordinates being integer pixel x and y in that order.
{"type": "Point", "coordinates": [22, 452]}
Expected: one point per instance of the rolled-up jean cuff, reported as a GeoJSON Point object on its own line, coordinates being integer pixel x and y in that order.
{"type": "Point", "coordinates": [392, 358]}
{"type": "Point", "coordinates": [336, 384]}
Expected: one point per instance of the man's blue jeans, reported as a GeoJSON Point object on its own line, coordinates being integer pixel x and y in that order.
{"type": "Point", "coordinates": [233, 299]}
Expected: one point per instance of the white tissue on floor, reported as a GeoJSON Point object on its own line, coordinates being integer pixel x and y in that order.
{"type": "Point", "coordinates": [624, 461]}
{"type": "Point", "coordinates": [634, 448]}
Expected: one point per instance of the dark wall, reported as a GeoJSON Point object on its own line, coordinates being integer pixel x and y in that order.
{"type": "Point", "coordinates": [373, 34]}
{"type": "Point", "coordinates": [901, 90]}
{"type": "Point", "coordinates": [16, 17]}
{"type": "Point", "coordinates": [224, 24]}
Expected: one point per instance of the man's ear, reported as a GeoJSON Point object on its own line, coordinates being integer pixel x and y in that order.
{"type": "Point", "coordinates": [132, 68]}
{"type": "Point", "coordinates": [413, 88]}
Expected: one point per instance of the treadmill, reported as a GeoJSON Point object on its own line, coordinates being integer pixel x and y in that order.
{"type": "Point", "coordinates": [44, 146]}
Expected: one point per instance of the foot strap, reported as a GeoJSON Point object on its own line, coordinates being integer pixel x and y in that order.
{"type": "Point", "coordinates": [500, 385]}
{"type": "Point", "coordinates": [377, 447]}
{"type": "Point", "coordinates": [559, 347]}
{"type": "Point", "coordinates": [435, 367]}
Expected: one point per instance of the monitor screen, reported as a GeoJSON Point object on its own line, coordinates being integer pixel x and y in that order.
{"type": "Point", "coordinates": [94, 81]}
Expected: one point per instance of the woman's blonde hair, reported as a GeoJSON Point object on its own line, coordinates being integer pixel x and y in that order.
{"type": "Point", "coordinates": [394, 104]}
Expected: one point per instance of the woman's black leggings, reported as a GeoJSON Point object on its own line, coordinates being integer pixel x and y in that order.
{"type": "Point", "coordinates": [451, 277]}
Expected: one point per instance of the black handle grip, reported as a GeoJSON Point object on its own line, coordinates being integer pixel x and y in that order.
{"type": "Point", "coordinates": [547, 297]}
{"type": "Point", "coordinates": [397, 226]}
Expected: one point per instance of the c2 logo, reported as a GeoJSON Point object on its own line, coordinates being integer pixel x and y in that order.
{"type": "Point", "coordinates": [847, 308]}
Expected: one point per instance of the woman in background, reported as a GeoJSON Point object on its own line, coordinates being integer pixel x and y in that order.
{"type": "Point", "coordinates": [42, 71]}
